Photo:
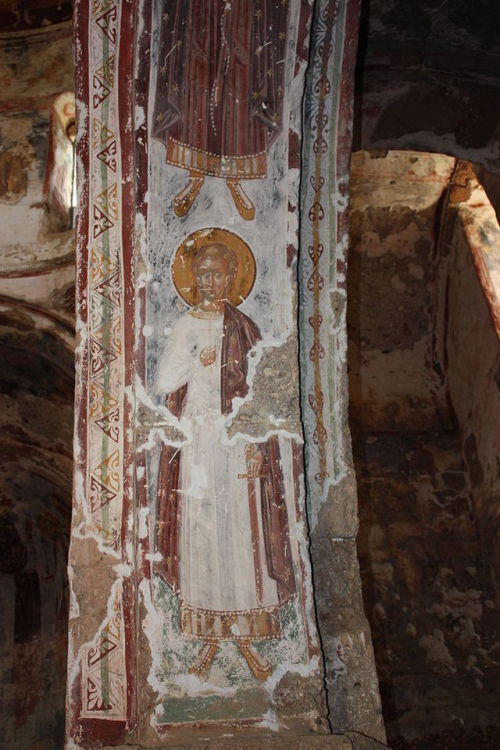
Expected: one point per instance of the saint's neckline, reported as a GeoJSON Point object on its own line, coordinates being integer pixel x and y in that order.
{"type": "Point", "coordinates": [206, 314]}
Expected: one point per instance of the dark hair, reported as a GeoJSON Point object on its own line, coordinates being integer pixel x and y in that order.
{"type": "Point", "coordinates": [216, 249]}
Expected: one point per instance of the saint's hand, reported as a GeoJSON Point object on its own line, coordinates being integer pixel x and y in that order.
{"type": "Point", "coordinates": [254, 465]}
{"type": "Point", "coordinates": [208, 355]}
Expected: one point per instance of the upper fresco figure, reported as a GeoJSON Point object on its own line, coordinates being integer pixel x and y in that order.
{"type": "Point", "coordinates": [219, 91]}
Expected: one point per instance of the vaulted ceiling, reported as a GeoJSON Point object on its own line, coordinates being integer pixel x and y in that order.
{"type": "Point", "coordinates": [428, 77]}
{"type": "Point", "coordinates": [22, 15]}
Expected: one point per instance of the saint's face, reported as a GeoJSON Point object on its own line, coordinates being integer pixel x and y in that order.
{"type": "Point", "coordinates": [213, 279]}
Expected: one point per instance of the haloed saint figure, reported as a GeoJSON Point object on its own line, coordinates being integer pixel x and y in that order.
{"type": "Point", "coordinates": [219, 91]}
{"type": "Point", "coordinates": [222, 527]}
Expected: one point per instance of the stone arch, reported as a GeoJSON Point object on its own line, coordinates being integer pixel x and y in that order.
{"type": "Point", "coordinates": [36, 411]}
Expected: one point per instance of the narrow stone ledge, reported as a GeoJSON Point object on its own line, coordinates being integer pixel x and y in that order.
{"type": "Point", "coordinates": [350, 741]}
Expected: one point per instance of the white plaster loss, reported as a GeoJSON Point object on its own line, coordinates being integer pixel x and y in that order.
{"type": "Point", "coordinates": [339, 202]}
{"type": "Point", "coordinates": [153, 556]}
{"type": "Point", "coordinates": [87, 529]}
{"type": "Point", "coordinates": [276, 420]}
{"type": "Point", "coordinates": [123, 570]}
{"type": "Point", "coordinates": [78, 479]}
{"type": "Point", "coordinates": [270, 721]}
{"type": "Point", "coordinates": [239, 436]}
{"type": "Point", "coordinates": [196, 688]}
{"type": "Point", "coordinates": [74, 607]}
{"type": "Point", "coordinates": [140, 115]}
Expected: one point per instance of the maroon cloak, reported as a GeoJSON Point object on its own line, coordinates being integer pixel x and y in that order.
{"type": "Point", "coordinates": [219, 89]}
{"type": "Point", "coordinates": [240, 334]}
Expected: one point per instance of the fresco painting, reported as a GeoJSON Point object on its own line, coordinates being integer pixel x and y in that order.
{"type": "Point", "coordinates": [226, 597]}
{"type": "Point", "coordinates": [192, 472]}
{"type": "Point", "coordinates": [229, 598]}
{"type": "Point", "coordinates": [219, 92]}
{"type": "Point", "coordinates": [224, 542]}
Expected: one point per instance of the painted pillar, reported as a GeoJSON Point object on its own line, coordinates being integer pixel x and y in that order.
{"type": "Point", "coordinates": [351, 678]}
{"type": "Point", "coordinates": [192, 600]}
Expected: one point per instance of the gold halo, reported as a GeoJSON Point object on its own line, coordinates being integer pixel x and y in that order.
{"type": "Point", "coordinates": [182, 274]}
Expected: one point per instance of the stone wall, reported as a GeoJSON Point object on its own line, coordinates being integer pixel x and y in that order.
{"type": "Point", "coordinates": [393, 289]}
{"type": "Point", "coordinates": [474, 362]}
{"type": "Point", "coordinates": [424, 353]}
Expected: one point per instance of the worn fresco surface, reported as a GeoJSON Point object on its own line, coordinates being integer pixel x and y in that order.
{"type": "Point", "coordinates": [227, 592]}
{"type": "Point", "coordinates": [221, 592]}
{"type": "Point", "coordinates": [192, 597]}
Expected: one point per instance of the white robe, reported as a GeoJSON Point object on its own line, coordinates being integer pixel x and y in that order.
{"type": "Point", "coordinates": [216, 552]}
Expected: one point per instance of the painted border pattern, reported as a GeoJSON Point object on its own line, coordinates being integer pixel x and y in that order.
{"type": "Point", "coordinates": [104, 679]}
{"type": "Point", "coordinates": [327, 112]}
{"type": "Point", "coordinates": [104, 686]}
